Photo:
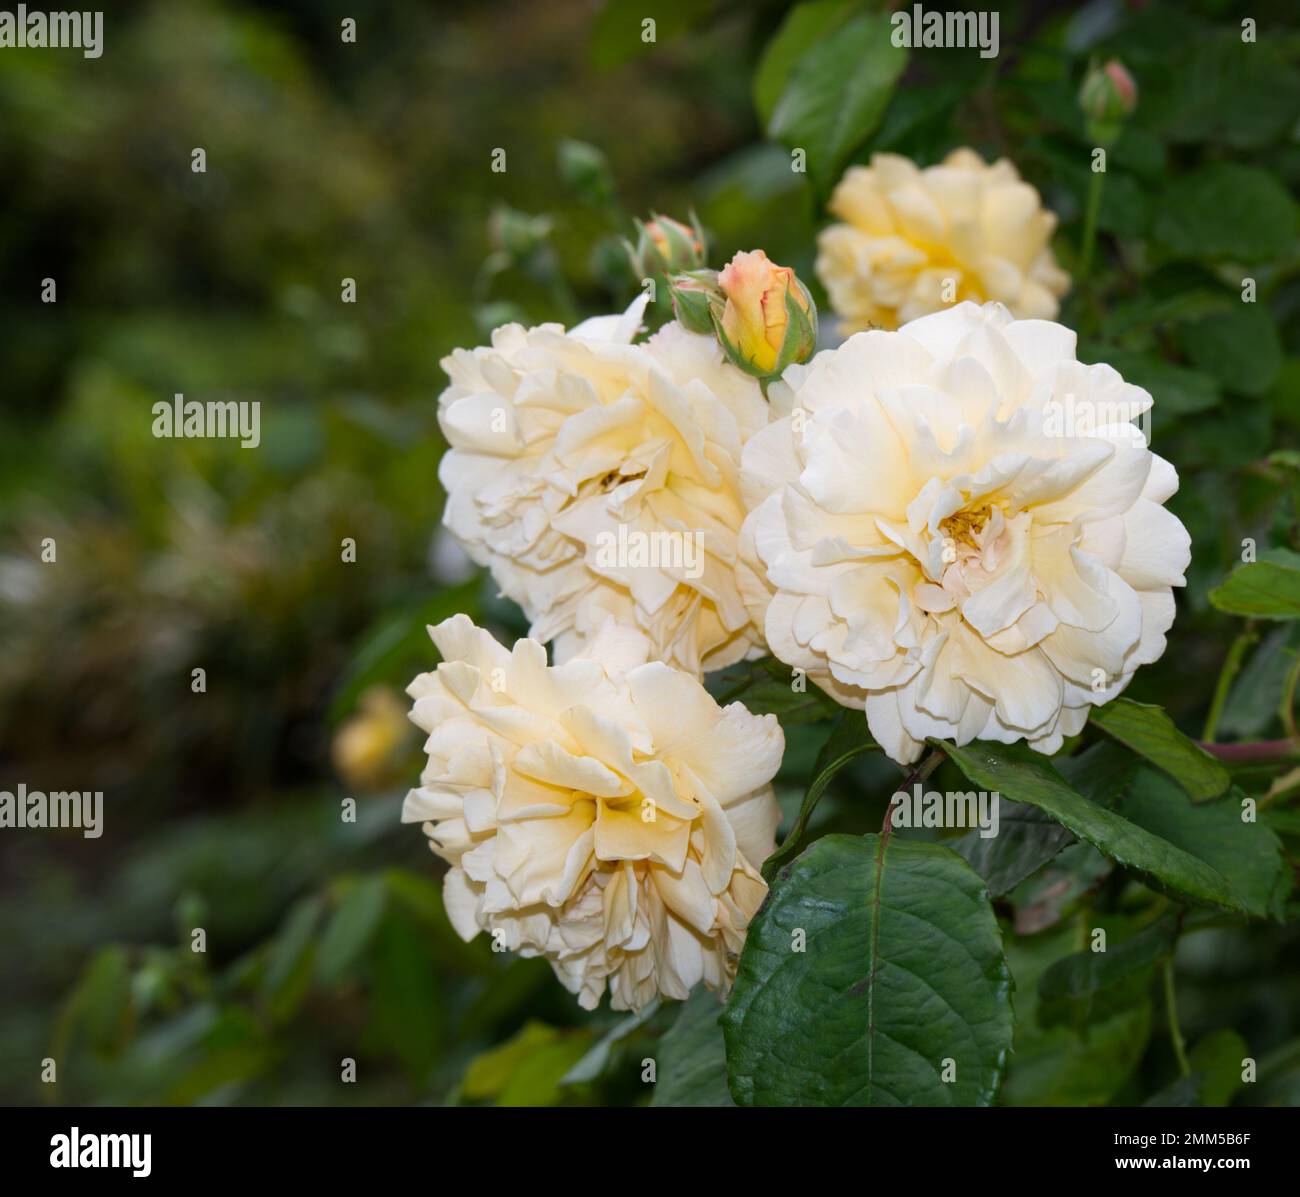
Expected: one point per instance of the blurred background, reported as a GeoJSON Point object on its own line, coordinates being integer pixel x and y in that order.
{"type": "Point", "coordinates": [371, 160]}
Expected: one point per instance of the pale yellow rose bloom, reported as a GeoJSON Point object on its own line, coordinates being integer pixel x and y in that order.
{"type": "Point", "coordinates": [599, 477]}
{"type": "Point", "coordinates": [605, 813]}
{"type": "Point", "coordinates": [959, 528]}
{"type": "Point", "coordinates": [913, 241]}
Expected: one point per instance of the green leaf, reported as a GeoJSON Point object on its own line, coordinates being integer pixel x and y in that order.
{"type": "Point", "coordinates": [1245, 95]}
{"type": "Point", "coordinates": [1218, 1060]}
{"type": "Point", "coordinates": [100, 1007]}
{"type": "Point", "coordinates": [1182, 1093]}
{"type": "Point", "coordinates": [849, 739]}
{"type": "Point", "coordinates": [837, 93]}
{"type": "Point", "coordinates": [288, 964]}
{"type": "Point", "coordinates": [407, 1003]}
{"type": "Point", "coordinates": [903, 970]}
{"type": "Point", "coordinates": [1265, 589]}
{"type": "Point", "coordinates": [692, 1057]}
{"type": "Point", "coordinates": [1257, 693]}
{"type": "Point", "coordinates": [1279, 1078]}
{"type": "Point", "coordinates": [1247, 855]}
{"type": "Point", "coordinates": [768, 689]}
{"type": "Point", "coordinates": [528, 1069]}
{"type": "Point", "coordinates": [1226, 211]}
{"type": "Point", "coordinates": [1149, 732]}
{"type": "Point", "coordinates": [1062, 1065]}
{"type": "Point", "coordinates": [597, 1057]}
{"type": "Point", "coordinates": [350, 929]}
{"type": "Point", "coordinates": [1167, 866]}
{"type": "Point", "coordinates": [1078, 987]}
{"type": "Point", "coordinates": [1239, 347]}
{"type": "Point", "coordinates": [1056, 890]}
{"type": "Point", "coordinates": [1101, 772]}
{"type": "Point", "coordinates": [804, 26]}
{"type": "Point", "coordinates": [1026, 840]}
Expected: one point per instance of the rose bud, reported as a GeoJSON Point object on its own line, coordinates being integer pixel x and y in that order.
{"type": "Point", "coordinates": [1108, 96]}
{"type": "Point", "coordinates": [696, 297]}
{"type": "Point", "coordinates": [769, 319]}
{"type": "Point", "coordinates": [666, 246]}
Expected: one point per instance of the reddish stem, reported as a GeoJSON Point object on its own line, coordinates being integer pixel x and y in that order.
{"type": "Point", "coordinates": [1253, 750]}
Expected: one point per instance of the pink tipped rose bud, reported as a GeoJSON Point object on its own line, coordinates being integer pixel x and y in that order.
{"type": "Point", "coordinates": [666, 246]}
{"type": "Point", "coordinates": [1108, 96]}
{"type": "Point", "coordinates": [769, 320]}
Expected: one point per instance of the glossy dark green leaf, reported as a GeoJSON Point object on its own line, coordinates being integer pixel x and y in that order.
{"type": "Point", "coordinates": [1027, 839]}
{"type": "Point", "coordinates": [837, 93]}
{"type": "Point", "coordinates": [1265, 589]}
{"type": "Point", "coordinates": [1247, 854]}
{"type": "Point", "coordinates": [768, 687]}
{"type": "Point", "coordinates": [874, 970]}
{"type": "Point", "coordinates": [804, 26]}
{"type": "Point", "coordinates": [1149, 732]}
{"type": "Point", "coordinates": [1169, 867]}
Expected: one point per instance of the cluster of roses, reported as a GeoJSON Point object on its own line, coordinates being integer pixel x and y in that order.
{"type": "Point", "coordinates": [894, 517]}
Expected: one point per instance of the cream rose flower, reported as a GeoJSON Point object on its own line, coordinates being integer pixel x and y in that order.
{"type": "Point", "coordinates": [597, 478]}
{"type": "Point", "coordinates": [957, 527]}
{"type": "Point", "coordinates": [604, 813]}
{"type": "Point", "coordinates": [914, 241]}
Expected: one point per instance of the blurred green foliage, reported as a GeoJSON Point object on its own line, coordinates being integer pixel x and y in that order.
{"type": "Point", "coordinates": [325, 939]}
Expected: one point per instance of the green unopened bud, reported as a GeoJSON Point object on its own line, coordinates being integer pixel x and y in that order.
{"type": "Point", "coordinates": [517, 234]}
{"type": "Point", "coordinates": [1108, 97]}
{"type": "Point", "coordinates": [696, 298]}
{"type": "Point", "coordinates": [666, 246]}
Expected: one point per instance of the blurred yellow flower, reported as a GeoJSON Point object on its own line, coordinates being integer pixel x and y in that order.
{"type": "Point", "coordinates": [914, 241]}
{"type": "Point", "coordinates": [367, 748]}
